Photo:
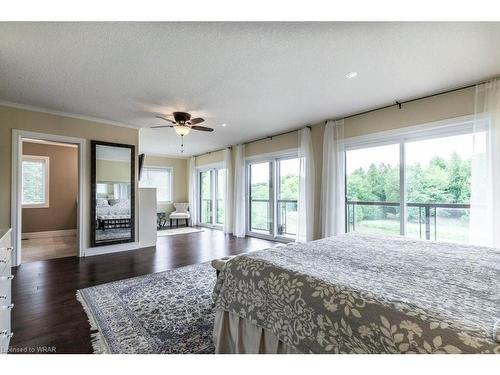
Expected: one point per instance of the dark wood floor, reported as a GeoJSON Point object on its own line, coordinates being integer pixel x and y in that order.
{"type": "Point", "coordinates": [46, 312]}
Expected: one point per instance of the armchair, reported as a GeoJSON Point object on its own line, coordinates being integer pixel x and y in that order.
{"type": "Point", "coordinates": [181, 212]}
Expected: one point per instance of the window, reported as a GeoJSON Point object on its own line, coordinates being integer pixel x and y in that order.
{"type": "Point", "coordinates": [159, 178]}
{"type": "Point", "coordinates": [273, 187]}
{"type": "Point", "coordinates": [212, 184]}
{"type": "Point", "coordinates": [373, 190]}
{"type": "Point", "coordinates": [418, 186]}
{"type": "Point", "coordinates": [35, 181]}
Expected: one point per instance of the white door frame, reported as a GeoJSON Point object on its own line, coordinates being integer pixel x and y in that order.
{"type": "Point", "coordinates": [16, 183]}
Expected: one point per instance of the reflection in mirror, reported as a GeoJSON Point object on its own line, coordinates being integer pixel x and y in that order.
{"type": "Point", "coordinates": [112, 193]}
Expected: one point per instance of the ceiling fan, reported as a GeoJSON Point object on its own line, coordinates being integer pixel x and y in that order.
{"type": "Point", "coordinates": [183, 123]}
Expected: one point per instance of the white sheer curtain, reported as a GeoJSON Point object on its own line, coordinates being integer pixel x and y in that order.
{"type": "Point", "coordinates": [333, 175]}
{"type": "Point", "coordinates": [239, 219]}
{"type": "Point", "coordinates": [485, 170]}
{"type": "Point", "coordinates": [228, 192]}
{"type": "Point", "coordinates": [305, 230]}
{"type": "Point", "coordinates": [193, 205]}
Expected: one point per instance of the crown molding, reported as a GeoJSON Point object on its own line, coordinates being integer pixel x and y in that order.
{"type": "Point", "coordinates": [65, 114]}
{"type": "Point", "coordinates": [155, 155]}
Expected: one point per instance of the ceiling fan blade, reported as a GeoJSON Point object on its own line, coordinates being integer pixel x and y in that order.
{"type": "Point", "coordinates": [166, 119]}
{"type": "Point", "coordinates": [202, 128]}
{"type": "Point", "coordinates": [161, 126]}
{"type": "Point", "coordinates": [195, 121]}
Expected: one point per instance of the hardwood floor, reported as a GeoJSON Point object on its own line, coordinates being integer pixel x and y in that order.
{"type": "Point", "coordinates": [48, 248]}
{"type": "Point", "coordinates": [46, 312]}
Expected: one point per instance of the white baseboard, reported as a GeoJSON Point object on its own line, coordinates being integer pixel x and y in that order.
{"type": "Point", "coordinates": [49, 234]}
{"type": "Point", "coordinates": [111, 249]}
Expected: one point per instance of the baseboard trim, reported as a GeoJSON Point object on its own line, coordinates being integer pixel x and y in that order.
{"type": "Point", "coordinates": [48, 234]}
{"type": "Point", "coordinates": [111, 249]}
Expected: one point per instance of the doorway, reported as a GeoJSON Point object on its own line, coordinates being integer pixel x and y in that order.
{"type": "Point", "coordinates": [47, 192]}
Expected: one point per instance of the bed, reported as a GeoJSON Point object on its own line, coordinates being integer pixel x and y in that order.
{"type": "Point", "coordinates": [360, 294]}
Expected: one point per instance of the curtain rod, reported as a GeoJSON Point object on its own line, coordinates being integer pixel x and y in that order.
{"type": "Point", "coordinates": [270, 137]}
{"type": "Point", "coordinates": [257, 140]}
{"type": "Point", "coordinates": [400, 103]}
{"type": "Point", "coordinates": [209, 152]}
{"type": "Point", "coordinates": [397, 103]}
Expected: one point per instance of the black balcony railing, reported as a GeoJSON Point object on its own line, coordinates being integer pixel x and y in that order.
{"type": "Point", "coordinates": [423, 215]}
{"type": "Point", "coordinates": [206, 211]}
{"type": "Point", "coordinates": [260, 216]}
{"type": "Point", "coordinates": [287, 217]}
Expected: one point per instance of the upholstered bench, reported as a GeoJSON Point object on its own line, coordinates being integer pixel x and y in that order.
{"type": "Point", "coordinates": [113, 221]}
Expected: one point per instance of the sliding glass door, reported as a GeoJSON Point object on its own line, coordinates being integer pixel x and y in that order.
{"type": "Point", "coordinates": [206, 197]}
{"type": "Point", "coordinates": [212, 184]}
{"type": "Point", "coordinates": [287, 197]}
{"type": "Point", "coordinates": [220, 183]}
{"type": "Point", "coordinates": [260, 198]}
{"type": "Point", "coordinates": [272, 197]}
{"type": "Point", "coordinates": [373, 190]}
{"type": "Point", "coordinates": [418, 187]}
{"type": "Point", "coordinates": [438, 188]}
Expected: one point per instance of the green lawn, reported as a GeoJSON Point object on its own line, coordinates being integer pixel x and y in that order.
{"type": "Point", "coordinates": [448, 229]}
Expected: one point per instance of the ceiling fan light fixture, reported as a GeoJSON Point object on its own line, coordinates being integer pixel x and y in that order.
{"type": "Point", "coordinates": [182, 129]}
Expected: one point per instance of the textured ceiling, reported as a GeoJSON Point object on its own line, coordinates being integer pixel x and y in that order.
{"type": "Point", "coordinates": [258, 78]}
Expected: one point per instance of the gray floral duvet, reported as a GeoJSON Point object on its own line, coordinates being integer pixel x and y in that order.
{"type": "Point", "coordinates": [369, 294]}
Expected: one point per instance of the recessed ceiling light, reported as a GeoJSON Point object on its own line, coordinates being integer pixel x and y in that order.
{"type": "Point", "coordinates": [351, 75]}
{"type": "Point", "coordinates": [223, 125]}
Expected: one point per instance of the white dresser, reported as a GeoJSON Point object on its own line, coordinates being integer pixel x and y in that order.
{"type": "Point", "coordinates": [5, 289]}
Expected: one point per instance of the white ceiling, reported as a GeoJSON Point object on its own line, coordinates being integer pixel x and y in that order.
{"type": "Point", "coordinates": [258, 78]}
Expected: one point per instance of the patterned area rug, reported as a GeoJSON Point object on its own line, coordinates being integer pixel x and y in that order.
{"type": "Point", "coordinates": [167, 312]}
{"type": "Point", "coordinates": [176, 231]}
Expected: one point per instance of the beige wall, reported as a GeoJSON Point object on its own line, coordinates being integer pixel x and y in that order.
{"type": "Point", "coordinates": [441, 107]}
{"type": "Point", "coordinates": [63, 189]}
{"type": "Point", "coordinates": [14, 118]}
{"type": "Point", "coordinates": [275, 144]}
{"type": "Point", "coordinates": [180, 178]}
{"type": "Point", "coordinates": [210, 158]}
{"type": "Point", "coordinates": [112, 171]}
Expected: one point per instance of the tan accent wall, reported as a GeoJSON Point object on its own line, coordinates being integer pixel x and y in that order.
{"type": "Point", "coordinates": [63, 189]}
{"type": "Point", "coordinates": [180, 178]}
{"type": "Point", "coordinates": [15, 118]}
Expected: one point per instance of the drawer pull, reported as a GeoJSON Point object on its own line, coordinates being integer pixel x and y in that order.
{"type": "Point", "coordinates": [3, 296]}
{"type": "Point", "coordinates": [7, 277]}
{"type": "Point", "coordinates": [5, 334]}
{"type": "Point", "coordinates": [8, 307]}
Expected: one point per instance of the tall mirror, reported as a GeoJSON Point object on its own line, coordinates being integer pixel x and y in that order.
{"type": "Point", "coordinates": [113, 193]}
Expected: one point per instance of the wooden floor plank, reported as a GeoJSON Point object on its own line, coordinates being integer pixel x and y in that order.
{"type": "Point", "coordinates": [46, 311]}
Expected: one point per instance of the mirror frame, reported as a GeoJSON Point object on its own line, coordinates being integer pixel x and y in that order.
{"type": "Point", "coordinates": [93, 198]}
